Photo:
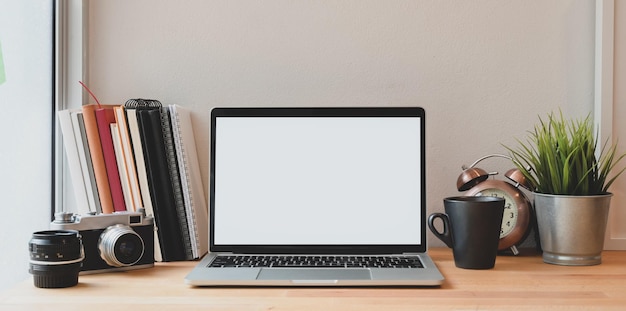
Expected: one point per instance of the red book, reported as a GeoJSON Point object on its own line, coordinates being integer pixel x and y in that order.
{"type": "Point", "coordinates": [104, 118]}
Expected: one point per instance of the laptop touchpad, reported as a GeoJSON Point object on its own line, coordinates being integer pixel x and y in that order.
{"type": "Point", "coordinates": [314, 274]}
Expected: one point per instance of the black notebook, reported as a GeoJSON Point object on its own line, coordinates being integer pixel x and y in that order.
{"type": "Point", "coordinates": [160, 185]}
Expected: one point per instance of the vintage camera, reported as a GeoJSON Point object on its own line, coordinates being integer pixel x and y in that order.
{"type": "Point", "coordinates": [111, 242]}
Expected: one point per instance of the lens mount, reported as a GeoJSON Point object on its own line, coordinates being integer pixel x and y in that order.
{"type": "Point", "coordinates": [120, 246]}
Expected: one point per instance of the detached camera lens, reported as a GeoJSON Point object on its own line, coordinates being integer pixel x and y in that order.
{"type": "Point", "coordinates": [120, 246]}
{"type": "Point", "coordinates": [55, 258]}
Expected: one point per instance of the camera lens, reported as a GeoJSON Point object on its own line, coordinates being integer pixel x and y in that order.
{"type": "Point", "coordinates": [120, 246]}
{"type": "Point", "coordinates": [55, 258]}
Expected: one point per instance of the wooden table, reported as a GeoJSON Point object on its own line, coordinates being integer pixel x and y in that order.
{"type": "Point", "coordinates": [516, 283]}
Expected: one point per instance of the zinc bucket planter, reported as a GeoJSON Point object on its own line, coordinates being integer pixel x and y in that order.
{"type": "Point", "coordinates": [572, 228]}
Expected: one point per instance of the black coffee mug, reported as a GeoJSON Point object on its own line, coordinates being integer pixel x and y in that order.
{"type": "Point", "coordinates": [471, 227]}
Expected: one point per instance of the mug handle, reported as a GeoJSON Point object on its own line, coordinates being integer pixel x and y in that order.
{"type": "Point", "coordinates": [444, 236]}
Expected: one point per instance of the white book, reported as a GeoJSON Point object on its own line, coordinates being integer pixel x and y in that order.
{"type": "Point", "coordinates": [121, 167]}
{"type": "Point", "coordinates": [84, 157]}
{"type": "Point", "coordinates": [73, 161]}
{"type": "Point", "coordinates": [140, 164]}
{"type": "Point", "coordinates": [129, 161]}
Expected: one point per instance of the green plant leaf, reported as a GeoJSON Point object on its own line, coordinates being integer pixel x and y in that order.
{"type": "Point", "coordinates": [559, 157]}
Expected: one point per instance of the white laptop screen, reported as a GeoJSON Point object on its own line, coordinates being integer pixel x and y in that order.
{"type": "Point", "coordinates": [330, 180]}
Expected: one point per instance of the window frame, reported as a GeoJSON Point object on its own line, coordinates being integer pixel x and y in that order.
{"type": "Point", "coordinates": [604, 103]}
{"type": "Point", "coordinates": [70, 66]}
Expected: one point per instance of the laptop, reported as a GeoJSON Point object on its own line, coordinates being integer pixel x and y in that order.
{"type": "Point", "coordinates": [323, 196]}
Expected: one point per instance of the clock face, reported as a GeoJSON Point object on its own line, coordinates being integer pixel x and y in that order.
{"type": "Point", "coordinates": [516, 217]}
{"type": "Point", "coordinates": [511, 213]}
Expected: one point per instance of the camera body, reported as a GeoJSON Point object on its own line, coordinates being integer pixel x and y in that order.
{"type": "Point", "coordinates": [112, 242]}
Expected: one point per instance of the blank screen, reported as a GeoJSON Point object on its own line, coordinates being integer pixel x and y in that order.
{"type": "Point", "coordinates": [317, 180]}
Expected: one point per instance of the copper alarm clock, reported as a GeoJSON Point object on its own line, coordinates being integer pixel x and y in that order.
{"type": "Point", "coordinates": [517, 210]}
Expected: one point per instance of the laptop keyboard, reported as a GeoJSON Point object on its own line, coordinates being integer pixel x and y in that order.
{"type": "Point", "coordinates": [235, 261]}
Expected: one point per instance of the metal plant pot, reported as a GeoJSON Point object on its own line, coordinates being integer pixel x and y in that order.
{"type": "Point", "coordinates": [572, 228]}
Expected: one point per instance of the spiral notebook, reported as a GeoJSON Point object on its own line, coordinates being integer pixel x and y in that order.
{"type": "Point", "coordinates": [190, 179]}
{"type": "Point", "coordinates": [174, 195]}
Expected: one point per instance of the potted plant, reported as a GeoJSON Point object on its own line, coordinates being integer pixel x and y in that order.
{"type": "Point", "coordinates": [570, 181]}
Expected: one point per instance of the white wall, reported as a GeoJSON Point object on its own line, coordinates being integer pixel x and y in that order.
{"type": "Point", "coordinates": [482, 69]}
{"type": "Point", "coordinates": [25, 131]}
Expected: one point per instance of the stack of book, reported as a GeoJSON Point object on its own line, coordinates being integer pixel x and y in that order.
{"type": "Point", "coordinates": [140, 155]}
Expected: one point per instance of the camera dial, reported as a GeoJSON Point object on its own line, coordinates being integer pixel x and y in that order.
{"type": "Point", "coordinates": [120, 246]}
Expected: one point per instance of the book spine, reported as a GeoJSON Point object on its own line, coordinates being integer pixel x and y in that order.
{"type": "Point", "coordinates": [121, 167]}
{"type": "Point", "coordinates": [140, 164]}
{"type": "Point", "coordinates": [193, 193]}
{"type": "Point", "coordinates": [129, 160]}
{"type": "Point", "coordinates": [105, 117]}
{"type": "Point", "coordinates": [160, 183]}
{"type": "Point", "coordinates": [170, 153]}
{"type": "Point", "coordinates": [85, 158]}
{"type": "Point", "coordinates": [97, 158]}
{"type": "Point", "coordinates": [73, 161]}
